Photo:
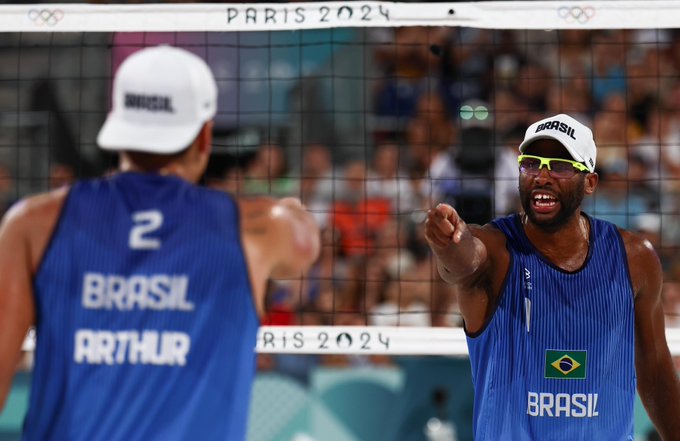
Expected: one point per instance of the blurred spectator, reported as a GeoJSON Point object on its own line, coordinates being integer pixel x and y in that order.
{"type": "Point", "coordinates": [431, 110]}
{"type": "Point", "coordinates": [356, 214]}
{"type": "Point", "coordinates": [571, 96]}
{"type": "Point", "coordinates": [508, 110]}
{"type": "Point", "coordinates": [608, 75]}
{"type": "Point", "coordinates": [671, 303]}
{"type": "Point", "coordinates": [612, 201]}
{"type": "Point", "coordinates": [61, 175]}
{"type": "Point", "coordinates": [392, 253]}
{"type": "Point", "coordinates": [430, 147]}
{"type": "Point", "coordinates": [533, 84]}
{"type": "Point", "coordinates": [267, 174]}
{"type": "Point", "coordinates": [281, 303]}
{"type": "Point", "coordinates": [420, 149]}
{"type": "Point", "coordinates": [467, 61]}
{"type": "Point", "coordinates": [641, 183]}
{"type": "Point", "coordinates": [406, 303]}
{"type": "Point", "coordinates": [571, 58]}
{"type": "Point", "coordinates": [611, 130]}
{"type": "Point", "coordinates": [431, 138]}
{"type": "Point", "coordinates": [7, 189]}
{"type": "Point", "coordinates": [428, 134]}
{"type": "Point", "coordinates": [507, 59]}
{"type": "Point", "coordinates": [650, 226]}
{"type": "Point", "coordinates": [226, 172]}
{"type": "Point", "coordinates": [327, 271]}
{"type": "Point", "coordinates": [441, 297]}
{"type": "Point", "coordinates": [361, 291]}
{"type": "Point", "coordinates": [229, 180]}
{"type": "Point", "coordinates": [660, 143]}
{"type": "Point", "coordinates": [506, 173]}
{"type": "Point", "coordinates": [317, 181]}
{"type": "Point", "coordinates": [660, 147]}
{"type": "Point", "coordinates": [406, 65]}
{"type": "Point", "coordinates": [321, 309]}
{"type": "Point", "coordinates": [475, 159]}
{"type": "Point", "coordinates": [391, 181]}
{"type": "Point", "coordinates": [433, 168]}
{"type": "Point", "coordinates": [642, 92]}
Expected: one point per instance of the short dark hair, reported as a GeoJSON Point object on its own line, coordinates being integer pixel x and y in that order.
{"type": "Point", "coordinates": [153, 161]}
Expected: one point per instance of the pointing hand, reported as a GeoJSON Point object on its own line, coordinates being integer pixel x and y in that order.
{"type": "Point", "coordinates": [444, 226]}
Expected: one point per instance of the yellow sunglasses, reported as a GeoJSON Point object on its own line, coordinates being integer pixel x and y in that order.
{"type": "Point", "coordinates": [557, 167]}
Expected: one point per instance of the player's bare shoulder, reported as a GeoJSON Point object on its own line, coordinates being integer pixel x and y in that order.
{"type": "Point", "coordinates": [39, 210]}
{"type": "Point", "coordinates": [635, 243]}
{"type": "Point", "coordinates": [283, 222]}
{"type": "Point", "coordinates": [33, 220]}
{"type": "Point", "coordinates": [643, 262]}
{"type": "Point", "coordinates": [280, 238]}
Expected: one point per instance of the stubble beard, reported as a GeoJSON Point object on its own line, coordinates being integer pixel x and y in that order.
{"type": "Point", "coordinates": [569, 203]}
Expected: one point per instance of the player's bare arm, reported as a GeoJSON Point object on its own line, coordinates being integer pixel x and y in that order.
{"type": "Point", "coordinates": [658, 383]}
{"type": "Point", "coordinates": [470, 257]}
{"type": "Point", "coordinates": [280, 238]}
{"type": "Point", "coordinates": [24, 234]}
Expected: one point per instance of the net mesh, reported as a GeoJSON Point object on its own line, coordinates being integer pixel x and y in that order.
{"type": "Point", "coordinates": [369, 112]}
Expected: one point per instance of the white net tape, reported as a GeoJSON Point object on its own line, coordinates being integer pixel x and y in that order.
{"type": "Point", "coordinates": [369, 340]}
{"type": "Point", "coordinates": [378, 340]}
{"type": "Point", "coordinates": [319, 15]}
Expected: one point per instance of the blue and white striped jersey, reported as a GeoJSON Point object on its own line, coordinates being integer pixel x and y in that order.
{"type": "Point", "coordinates": [557, 359]}
{"type": "Point", "coordinates": [146, 325]}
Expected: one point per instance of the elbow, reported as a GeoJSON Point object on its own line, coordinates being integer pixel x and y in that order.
{"type": "Point", "coordinates": [308, 245]}
{"type": "Point", "coordinates": [304, 253]}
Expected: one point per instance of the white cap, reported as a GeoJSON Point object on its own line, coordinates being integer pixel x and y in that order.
{"type": "Point", "coordinates": [574, 136]}
{"type": "Point", "coordinates": [162, 96]}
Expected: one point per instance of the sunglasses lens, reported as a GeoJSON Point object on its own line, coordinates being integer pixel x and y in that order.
{"type": "Point", "coordinates": [557, 168]}
{"type": "Point", "coordinates": [530, 166]}
{"type": "Point", "coordinates": [562, 169]}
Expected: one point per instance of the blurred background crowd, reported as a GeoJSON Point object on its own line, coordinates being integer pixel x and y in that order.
{"type": "Point", "coordinates": [370, 128]}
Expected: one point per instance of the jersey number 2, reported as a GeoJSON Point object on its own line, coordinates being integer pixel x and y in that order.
{"type": "Point", "coordinates": [146, 222]}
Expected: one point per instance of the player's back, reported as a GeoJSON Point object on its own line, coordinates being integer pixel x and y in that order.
{"type": "Point", "coordinates": [146, 324]}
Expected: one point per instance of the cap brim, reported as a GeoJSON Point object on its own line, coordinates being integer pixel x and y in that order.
{"type": "Point", "coordinates": [560, 137]}
{"type": "Point", "coordinates": [117, 135]}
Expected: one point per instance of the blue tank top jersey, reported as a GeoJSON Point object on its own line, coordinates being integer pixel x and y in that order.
{"type": "Point", "coordinates": [556, 362]}
{"type": "Point", "coordinates": [146, 326]}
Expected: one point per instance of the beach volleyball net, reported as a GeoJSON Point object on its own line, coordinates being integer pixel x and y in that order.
{"type": "Point", "coordinates": [370, 112]}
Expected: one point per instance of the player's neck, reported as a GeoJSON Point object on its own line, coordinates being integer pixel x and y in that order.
{"type": "Point", "coordinates": [175, 165]}
{"type": "Point", "coordinates": [569, 242]}
{"type": "Point", "coordinates": [171, 169]}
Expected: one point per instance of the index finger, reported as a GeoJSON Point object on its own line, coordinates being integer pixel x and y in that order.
{"type": "Point", "coordinates": [445, 211]}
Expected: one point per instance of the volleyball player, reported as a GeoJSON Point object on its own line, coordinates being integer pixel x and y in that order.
{"type": "Point", "coordinates": [562, 311]}
{"type": "Point", "coordinates": [145, 288]}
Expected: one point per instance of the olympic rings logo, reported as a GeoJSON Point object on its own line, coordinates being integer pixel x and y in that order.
{"type": "Point", "coordinates": [48, 17]}
{"type": "Point", "coordinates": [576, 14]}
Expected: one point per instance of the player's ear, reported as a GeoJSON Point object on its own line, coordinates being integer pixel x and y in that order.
{"type": "Point", "coordinates": [205, 137]}
{"type": "Point", "coordinates": [591, 182]}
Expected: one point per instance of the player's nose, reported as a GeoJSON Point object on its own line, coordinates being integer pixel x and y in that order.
{"type": "Point", "coordinates": [543, 174]}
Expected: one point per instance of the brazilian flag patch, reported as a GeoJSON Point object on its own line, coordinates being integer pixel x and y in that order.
{"type": "Point", "coordinates": [565, 365]}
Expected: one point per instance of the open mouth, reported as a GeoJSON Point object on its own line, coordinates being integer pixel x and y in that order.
{"type": "Point", "coordinates": [544, 202]}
